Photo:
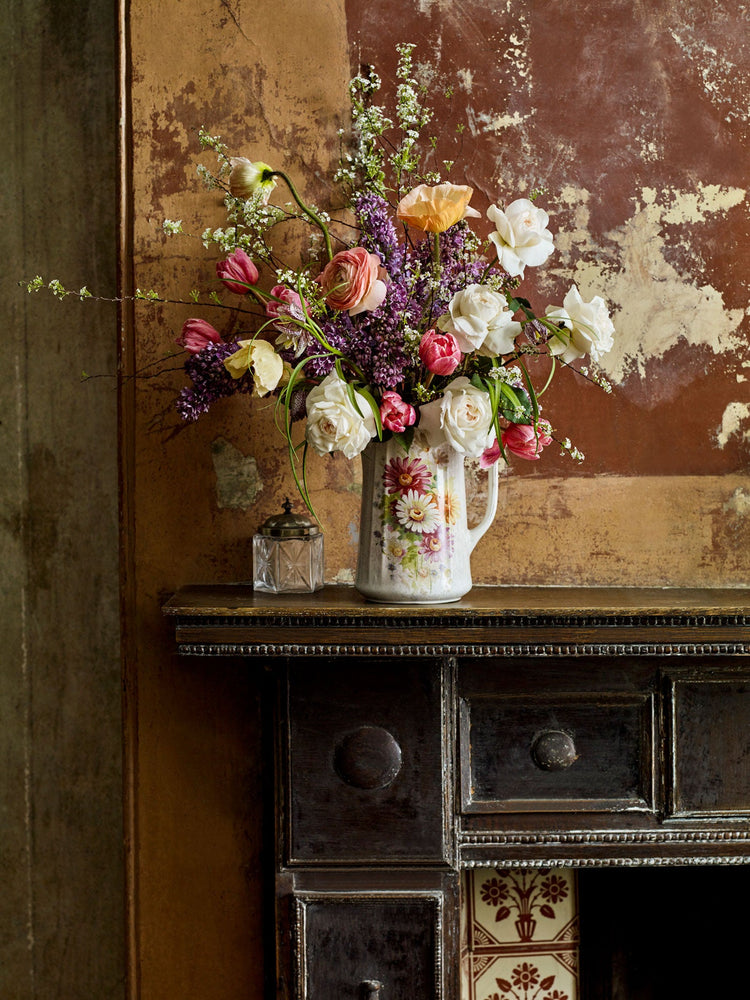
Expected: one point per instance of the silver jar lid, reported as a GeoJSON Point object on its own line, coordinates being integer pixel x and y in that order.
{"type": "Point", "coordinates": [289, 524]}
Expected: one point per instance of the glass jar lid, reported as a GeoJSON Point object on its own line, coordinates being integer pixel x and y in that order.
{"type": "Point", "coordinates": [289, 524]}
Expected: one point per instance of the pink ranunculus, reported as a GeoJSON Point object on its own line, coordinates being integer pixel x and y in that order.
{"type": "Point", "coordinates": [526, 442]}
{"type": "Point", "coordinates": [284, 302]}
{"type": "Point", "coordinates": [351, 281]}
{"type": "Point", "coordinates": [439, 352]}
{"type": "Point", "coordinates": [197, 334]}
{"type": "Point", "coordinates": [395, 414]}
{"type": "Point", "coordinates": [237, 272]}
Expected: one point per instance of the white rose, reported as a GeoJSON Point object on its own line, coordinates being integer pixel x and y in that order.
{"type": "Point", "coordinates": [479, 319]}
{"type": "Point", "coordinates": [589, 327]}
{"type": "Point", "coordinates": [522, 236]}
{"type": "Point", "coordinates": [462, 416]}
{"type": "Point", "coordinates": [333, 423]}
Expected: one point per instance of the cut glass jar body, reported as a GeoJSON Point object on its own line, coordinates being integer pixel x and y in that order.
{"type": "Point", "coordinates": [287, 565]}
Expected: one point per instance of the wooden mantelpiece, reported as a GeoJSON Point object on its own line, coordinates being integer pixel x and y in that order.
{"type": "Point", "coordinates": [233, 619]}
{"type": "Point", "coordinates": [518, 727]}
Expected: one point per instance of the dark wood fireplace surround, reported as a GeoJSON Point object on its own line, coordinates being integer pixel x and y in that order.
{"type": "Point", "coordinates": [518, 727]}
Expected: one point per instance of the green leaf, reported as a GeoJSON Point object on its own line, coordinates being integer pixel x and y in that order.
{"type": "Point", "coordinates": [405, 438]}
{"type": "Point", "coordinates": [531, 391]}
{"type": "Point", "coordinates": [364, 391]}
{"type": "Point", "coordinates": [516, 404]}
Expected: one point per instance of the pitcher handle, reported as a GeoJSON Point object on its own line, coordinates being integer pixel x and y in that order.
{"type": "Point", "coordinates": [478, 530]}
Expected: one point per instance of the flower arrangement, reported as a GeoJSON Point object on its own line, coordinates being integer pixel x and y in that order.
{"type": "Point", "coordinates": [400, 320]}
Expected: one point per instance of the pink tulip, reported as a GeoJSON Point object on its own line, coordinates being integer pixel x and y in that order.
{"type": "Point", "coordinates": [395, 414]}
{"type": "Point", "coordinates": [524, 441]}
{"type": "Point", "coordinates": [284, 302]}
{"type": "Point", "coordinates": [237, 272]}
{"type": "Point", "coordinates": [439, 352]}
{"type": "Point", "coordinates": [351, 281]}
{"type": "Point", "coordinates": [489, 456]}
{"type": "Point", "coordinates": [197, 334]}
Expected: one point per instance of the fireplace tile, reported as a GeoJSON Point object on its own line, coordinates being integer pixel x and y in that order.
{"type": "Point", "coordinates": [520, 934]}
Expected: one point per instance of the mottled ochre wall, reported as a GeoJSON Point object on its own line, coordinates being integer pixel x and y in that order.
{"type": "Point", "coordinates": [633, 117]}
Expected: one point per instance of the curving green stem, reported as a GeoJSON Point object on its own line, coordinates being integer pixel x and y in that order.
{"type": "Point", "coordinates": [436, 255]}
{"type": "Point", "coordinates": [313, 216]}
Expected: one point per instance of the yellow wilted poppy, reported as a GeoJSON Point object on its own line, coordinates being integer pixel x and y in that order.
{"type": "Point", "coordinates": [435, 209]}
{"type": "Point", "coordinates": [258, 357]}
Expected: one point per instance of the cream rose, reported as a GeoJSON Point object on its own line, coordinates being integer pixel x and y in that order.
{"type": "Point", "coordinates": [333, 423]}
{"type": "Point", "coordinates": [462, 416]}
{"type": "Point", "coordinates": [521, 236]}
{"type": "Point", "coordinates": [479, 319]}
{"type": "Point", "coordinates": [589, 327]}
{"type": "Point", "coordinates": [258, 357]}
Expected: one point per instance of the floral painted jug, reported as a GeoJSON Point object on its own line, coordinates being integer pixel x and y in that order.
{"type": "Point", "coordinates": [414, 540]}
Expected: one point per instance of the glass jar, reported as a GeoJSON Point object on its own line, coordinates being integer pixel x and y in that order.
{"type": "Point", "coordinates": [288, 554]}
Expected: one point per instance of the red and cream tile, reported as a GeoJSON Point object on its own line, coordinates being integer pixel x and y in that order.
{"type": "Point", "coordinates": [520, 934]}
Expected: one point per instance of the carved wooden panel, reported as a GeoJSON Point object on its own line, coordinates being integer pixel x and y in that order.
{"type": "Point", "coordinates": [365, 756]}
{"type": "Point", "coordinates": [567, 739]}
{"type": "Point", "coordinates": [710, 726]}
{"type": "Point", "coordinates": [369, 946]}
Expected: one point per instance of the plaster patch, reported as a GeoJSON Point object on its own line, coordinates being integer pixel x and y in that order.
{"type": "Point", "coordinates": [719, 76]}
{"type": "Point", "coordinates": [649, 136]}
{"type": "Point", "coordinates": [517, 54]}
{"type": "Point", "coordinates": [237, 480]}
{"type": "Point", "coordinates": [466, 79]}
{"type": "Point", "coordinates": [693, 206]}
{"type": "Point", "coordinates": [731, 423]}
{"type": "Point", "coordinates": [738, 503]}
{"type": "Point", "coordinates": [654, 306]}
{"type": "Point", "coordinates": [499, 123]}
{"type": "Point", "coordinates": [344, 576]}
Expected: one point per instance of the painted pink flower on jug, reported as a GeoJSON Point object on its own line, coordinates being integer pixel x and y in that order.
{"type": "Point", "coordinates": [433, 546]}
{"type": "Point", "coordinates": [404, 474]}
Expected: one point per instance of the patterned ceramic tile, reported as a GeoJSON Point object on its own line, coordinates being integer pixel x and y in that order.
{"type": "Point", "coordinates": [520, 934]}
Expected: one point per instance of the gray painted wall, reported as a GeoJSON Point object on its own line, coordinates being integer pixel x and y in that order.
{"type": "Point", "coordinates": [61, 854]}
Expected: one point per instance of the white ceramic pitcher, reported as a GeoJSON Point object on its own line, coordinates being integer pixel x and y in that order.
{"type": "Point", "coordinates": [414, 541]}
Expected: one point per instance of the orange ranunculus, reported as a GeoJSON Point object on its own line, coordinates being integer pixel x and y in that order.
{"type": "Point", "coordinates": [435, 209]}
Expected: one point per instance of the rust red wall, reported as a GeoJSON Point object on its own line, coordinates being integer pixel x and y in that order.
{"type": "Point", "coordinates": [633, 117]}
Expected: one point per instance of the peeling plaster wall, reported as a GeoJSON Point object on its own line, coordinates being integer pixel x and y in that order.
{"type": "Point", "coordinates": [640, 149]}
{"type": "Point", "coordinates": [633, 119]}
